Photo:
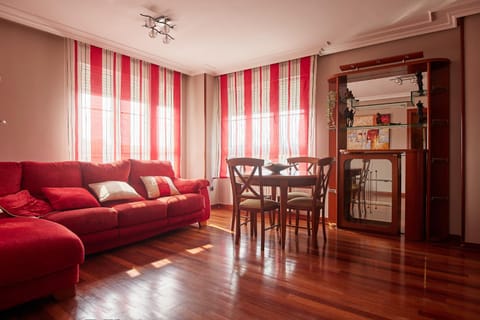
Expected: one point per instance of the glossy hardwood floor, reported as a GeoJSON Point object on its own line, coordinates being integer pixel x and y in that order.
{"type": "Point", "coordinates": [199, 274]}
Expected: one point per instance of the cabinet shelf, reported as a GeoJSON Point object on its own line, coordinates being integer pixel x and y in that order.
{"type": "Point", "coordinates": [385, 105]}
{"type": "Point", "coordinates": [417, 94]}
{"type": "Point", "coordinates": [390, 126]}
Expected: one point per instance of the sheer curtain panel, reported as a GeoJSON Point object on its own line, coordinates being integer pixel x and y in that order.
{"type": "Point", "coordinates": [121, 107]}
{"type": "Point", "coordinates": [268, 112]}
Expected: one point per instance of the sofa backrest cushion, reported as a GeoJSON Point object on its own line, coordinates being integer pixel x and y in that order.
{"type": "Point", "coordinates": [37, 175]}
{"type": "Point", "coordinates": [10, 177]}
{"type": "Point", "coordinates": [99, 172]}
{"type": "Point", "coordinates": [139, 168]}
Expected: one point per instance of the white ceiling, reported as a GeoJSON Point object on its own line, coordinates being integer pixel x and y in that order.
{"type": "Point", "coordinates": [221, 36]}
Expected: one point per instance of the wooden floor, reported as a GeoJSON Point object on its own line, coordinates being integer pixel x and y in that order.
{"type": "Point", "coordinates": [199, 274]}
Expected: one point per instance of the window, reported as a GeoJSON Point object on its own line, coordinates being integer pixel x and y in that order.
{"type": "Point", "coordinates": [268, 112]}
{"type": "Point", "coordinates": [122, 107]}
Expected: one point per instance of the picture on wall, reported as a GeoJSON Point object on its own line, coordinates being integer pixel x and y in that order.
{"type": "Point", "coordinates": [369, 138]}
{"type": "Point", "coordinates": [364, 120]}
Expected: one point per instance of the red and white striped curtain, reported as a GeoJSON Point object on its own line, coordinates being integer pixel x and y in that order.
{"type": "Point", "coordinates": [268, 112]}
{"type": "Point", "coordinates": [122, 108]}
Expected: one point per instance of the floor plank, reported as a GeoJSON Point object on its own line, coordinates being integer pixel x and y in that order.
{"type": "Point", "coordinates": [196, 273]}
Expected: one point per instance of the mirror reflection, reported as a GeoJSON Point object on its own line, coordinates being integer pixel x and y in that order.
{"type": "Point", "coordinates": [368, 191]}
{"type": "Point", "coordinates": [386, 113]}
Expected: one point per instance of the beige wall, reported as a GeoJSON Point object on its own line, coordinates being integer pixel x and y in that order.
{"type": "Point", "coordinates": [445, 44]}
{"type": "Point", "coordinates": [32, 95]}
{"type": "Point", "coordinates": [193, 115]}
{"type": "Point", "coordinates": [472, 129]}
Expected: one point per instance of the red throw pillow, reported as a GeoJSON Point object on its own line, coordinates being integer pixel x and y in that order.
{"type": "Point", "coordinates": [23, 203]}
{"type": "Point", "coordinates": [159, 186]}
{"type": "Point", "coordinates": [70, 198]}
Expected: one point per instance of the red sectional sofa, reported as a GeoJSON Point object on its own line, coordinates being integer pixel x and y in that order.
{"type": "Point", "coordinates": [83, 208]}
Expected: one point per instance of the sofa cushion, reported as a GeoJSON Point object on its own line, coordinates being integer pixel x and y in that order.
{"type": "Point", "coordinates": [107, 191]}
{"type": "Point", "coordinates": [23, 204]}
{"type": "Point", "coordinates": [98, 172]}
{"type": "Point", "coordinates": [36, 175]}
{"type": "Point", "coordinates": [32, 248]}
{"type": "Point", "coordinates": [87, 220]}
{"type": "Point", "coordinates": [69, 198]}
{"type": "Point", "coordinates": [139, 168]}
{"type": "Point", "coordinates": [134, 213]}
{"type": "Point", "coordinates": [10, 177]}
{"type": "Point", "coordinates": [158, 186]}
{"type": "Point", "coordinates": [183, 204]}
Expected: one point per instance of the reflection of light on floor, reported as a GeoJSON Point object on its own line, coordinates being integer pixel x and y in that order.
{"type": "Point", "coordinates": [161, 263]}
{"type": "Point", "coordinates": [220, 228]}
{"type": "Point", "coordinates": [133, 273]}
{"type": "Point", "coordinates": [199, 249]}
{"type": "Point", "coordinates": [195, 250]}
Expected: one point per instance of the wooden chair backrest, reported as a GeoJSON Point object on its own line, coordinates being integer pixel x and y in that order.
{"type": "Point", "coordinates": [241, 171]}
{"type": "Point", "coordinates": [324, 167]}
{"type": "Point", "coordinates": [308, 164]}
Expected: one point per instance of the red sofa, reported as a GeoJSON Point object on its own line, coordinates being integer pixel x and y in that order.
{"type": "Point", "coordinates": [72, 195]}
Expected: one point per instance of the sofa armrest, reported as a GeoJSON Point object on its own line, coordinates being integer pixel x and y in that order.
{"type": "Point", "coordinates": [190, 185]}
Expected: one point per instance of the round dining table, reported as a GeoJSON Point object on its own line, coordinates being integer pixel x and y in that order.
{"type": "Point", "coordinates": [285, 180]}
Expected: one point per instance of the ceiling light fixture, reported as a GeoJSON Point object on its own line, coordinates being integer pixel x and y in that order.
{"type": "Point", "coordinates": [400, 79]}
{"type": "Point", "coordinates": [161, 25]}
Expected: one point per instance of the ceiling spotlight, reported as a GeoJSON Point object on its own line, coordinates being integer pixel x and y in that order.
{"type": "Point", "coordinates": [161, 25]}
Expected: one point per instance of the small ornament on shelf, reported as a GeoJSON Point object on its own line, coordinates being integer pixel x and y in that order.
{"type": "Point", "coordinates": [419, 77]}
{"type": "Point", "coordinates": [332, 102]}
{"type": "Point", "coordinates": [349, 113]}
{"type": "Point", "coordinates": [421, 116]}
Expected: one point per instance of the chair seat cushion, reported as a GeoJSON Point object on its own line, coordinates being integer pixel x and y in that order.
{"type": "Point", "coordinates": [302, 203]}
{"type": "Point", "coordinates": [255, 204]}
{"type": "Point", "coordinates": [298, 194]}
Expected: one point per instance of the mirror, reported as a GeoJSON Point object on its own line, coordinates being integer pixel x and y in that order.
{"type": "Point", "coordinates": [386, 113]}
{"type": "Point", "coordinates": [371, 198]}
{"type": "Point", "coordinates": [368, 191]}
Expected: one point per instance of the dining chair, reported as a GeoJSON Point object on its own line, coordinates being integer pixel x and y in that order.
{"type": "Point", "coordinates": [247, 196]}
{"type": "Point", "coordinates": [316, 202]}
{"type": "Point", "coordinates": [304, 164]}
{"type": "Point", "coordinates": [358, 189]}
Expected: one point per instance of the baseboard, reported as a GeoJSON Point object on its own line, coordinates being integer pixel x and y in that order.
{"type": "Point", "coordinates": [221, 206]}
{"type": "Point", "coordinates": [471, 246]}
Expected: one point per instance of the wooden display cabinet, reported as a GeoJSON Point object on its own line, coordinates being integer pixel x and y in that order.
{"type": "Point", "coordinates": [410, 129]}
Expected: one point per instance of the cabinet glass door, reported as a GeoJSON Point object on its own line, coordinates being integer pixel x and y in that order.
{"type": "Point", "coordinates": [371, 192]}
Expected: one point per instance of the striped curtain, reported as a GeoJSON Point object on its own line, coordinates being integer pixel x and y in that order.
{"type": "Point", "coordinates": [122, 108]}
{"type": "Point", "coordinates": [268, 112]}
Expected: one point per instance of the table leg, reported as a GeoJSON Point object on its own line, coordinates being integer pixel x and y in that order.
{"type": "Point", "coordinates": [283, 211]}
{"type": "Point", "coordinates": [237, 225]}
